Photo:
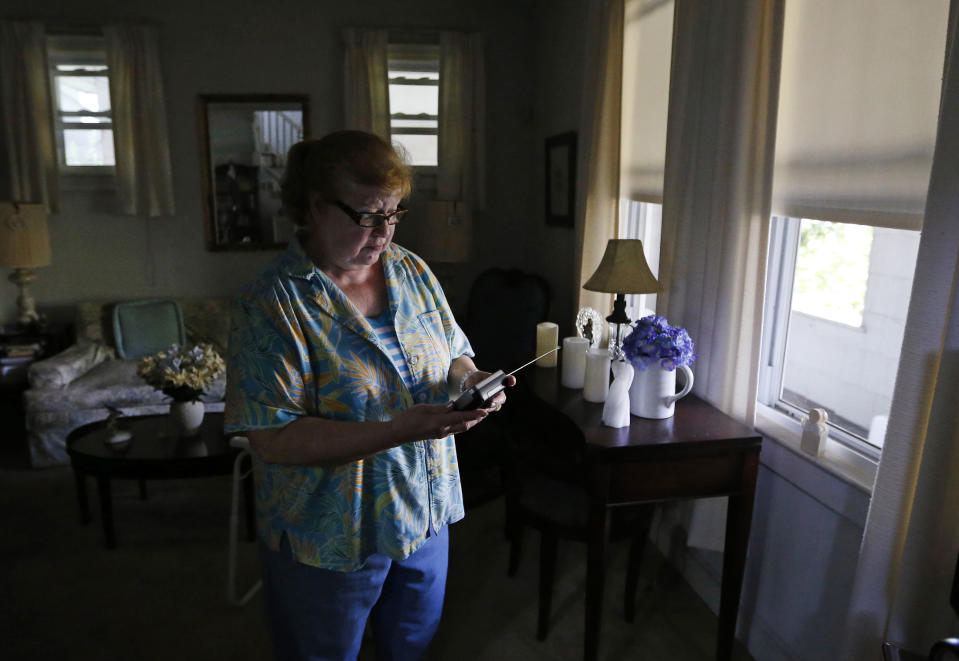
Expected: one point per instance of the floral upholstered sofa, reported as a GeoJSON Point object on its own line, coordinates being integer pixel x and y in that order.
{"type": "Point", "coordinates": [77, 385]}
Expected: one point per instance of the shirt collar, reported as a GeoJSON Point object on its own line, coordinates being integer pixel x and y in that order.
{"type": "Point", "coordinates": [295, 262]}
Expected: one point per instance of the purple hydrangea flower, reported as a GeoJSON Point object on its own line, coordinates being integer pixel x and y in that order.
{"type": "Point", "coordinates": [653, 340]}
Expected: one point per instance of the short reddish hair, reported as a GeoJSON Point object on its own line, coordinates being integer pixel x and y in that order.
{"type": "Point", "coordinates": [326, 164]}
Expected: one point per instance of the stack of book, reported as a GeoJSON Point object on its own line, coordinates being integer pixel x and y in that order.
{"type": "Point", "coordinates": [24, 350]}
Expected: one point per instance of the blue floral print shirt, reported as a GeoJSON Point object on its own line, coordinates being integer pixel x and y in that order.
{"type": "Point", "coordinates": [298, 347]}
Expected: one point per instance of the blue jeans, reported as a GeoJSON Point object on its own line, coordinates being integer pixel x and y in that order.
{"type": "Point", "coordinates": [319, 614]}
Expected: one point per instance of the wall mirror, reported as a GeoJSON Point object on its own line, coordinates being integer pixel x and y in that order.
{"type": "Point", "coordinates": [243, 144]}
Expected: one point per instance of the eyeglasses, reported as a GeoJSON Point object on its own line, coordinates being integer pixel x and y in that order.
{"type": "Point", "coordinates": [369, 218]}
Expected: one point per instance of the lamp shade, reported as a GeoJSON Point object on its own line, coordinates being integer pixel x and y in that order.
{"type": "Point", "coordinates": [24, 240]}
{"type": "Point", "coordinates": [623, 270]}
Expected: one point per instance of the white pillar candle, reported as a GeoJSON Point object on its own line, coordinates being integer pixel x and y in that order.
{"type": "Point", "coordinates": [597, 375]}
{"type": "Point", "coordinates": [547, 339]}
{"type": "Point", "coordinates": [574, 361]}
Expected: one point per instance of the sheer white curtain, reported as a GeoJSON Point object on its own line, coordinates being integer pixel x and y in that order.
{"type": "Point", "coordinates": [716, 201]}
{"type": "Point", "coordinates": [908, 554]}
{"type": "Point", "coordinates": [461, 172]}
{"type": "Point", "coordinates": [143, 169]}
{"type": "Point", "coordinates": [366, 93]}
{"type": "Point", "coordinates": [29, 150]}
{"type": "Point", "coordinates": [597, 194]}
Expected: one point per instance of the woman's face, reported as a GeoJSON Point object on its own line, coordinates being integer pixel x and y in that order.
{"type": "Point", "coordinates": [337, 244]}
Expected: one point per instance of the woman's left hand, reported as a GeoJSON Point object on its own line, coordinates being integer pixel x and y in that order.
{"type": "Point", "coordinates": [497, 402]}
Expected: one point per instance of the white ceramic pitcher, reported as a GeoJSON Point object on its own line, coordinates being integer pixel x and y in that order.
{"type": "Point", "coordinates": [653, 391]}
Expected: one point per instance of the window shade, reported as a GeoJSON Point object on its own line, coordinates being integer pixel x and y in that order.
{"type": "Point", "coordinates": [647, 47]}
{"type": "Point", "coordinates": [858, 107]}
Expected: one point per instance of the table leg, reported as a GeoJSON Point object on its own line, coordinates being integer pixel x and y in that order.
{"type": "Point", "coordinates": [249, 500]}
{"type": "Point", "coordinates": [81, 483]}
{"type": "Point", "coordinates": [739, 514]}
{"type": "Point", "coordinates": [106, 511]}
{"type": "Point", "coordinates": [597, 538]}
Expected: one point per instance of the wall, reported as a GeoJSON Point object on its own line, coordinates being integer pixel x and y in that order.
{"type": "Point", "coordinates": [288, 47]}
{"type": "Point", "coordinates": [804, 544]}
{"type": "Point", "coordinates": [560, 57]}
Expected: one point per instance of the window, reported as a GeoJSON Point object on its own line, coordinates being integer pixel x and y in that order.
{"type": "Point", "coordinates": [414, 73]}
{"type": "Point", "coordinates": [643, 221]}
{"type": "Point", "coordinates": [82, 111]}
{"type": "Point", "coordinates": [836, 303]}
{"type": "Point", "coordinates": [854, 139]}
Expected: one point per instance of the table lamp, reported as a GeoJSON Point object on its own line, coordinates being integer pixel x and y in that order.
{"type": "Point", "coordinates": [623, 270]}
{"type": "Point", "coordinates": [24, 245]}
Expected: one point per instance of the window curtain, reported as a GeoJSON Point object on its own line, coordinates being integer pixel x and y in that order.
{"type": "Point", "coordinates": [908, 553]}
{"type": "Point", "coordinates": [143, 168]}
{"type": "Point", "coordinates": [858, 104]}
{"type": "Point", "coordinates": [366, 94]}
{"type": "Point", "coordinates": [29, 145]}
{"type": "Point", "coordinates": [716, 205]}
{"type": "Point", "coordinates": [462, 125]}
{"type": "Point", "coordinates": [597, 192]}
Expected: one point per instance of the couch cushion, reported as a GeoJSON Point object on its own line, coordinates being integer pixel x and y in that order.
{"type": "Point", "coordinates": [205, 319]}
{"type": "Point", "coordinates": [112, 383]}
{"type": "Point", "coordinates": [143, 328]}
{"type": "Point", "coordinates": [62, 369]}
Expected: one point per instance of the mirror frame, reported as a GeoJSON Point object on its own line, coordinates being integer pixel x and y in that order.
{"type": "Point", "coordinates": [206, 160]}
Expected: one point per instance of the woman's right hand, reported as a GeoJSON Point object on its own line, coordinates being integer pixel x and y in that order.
{"type": "Point", "coordinates": [428, 421]}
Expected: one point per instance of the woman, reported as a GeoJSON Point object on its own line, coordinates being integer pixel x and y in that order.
{"type": "Point", "coordinates": [343, 358]}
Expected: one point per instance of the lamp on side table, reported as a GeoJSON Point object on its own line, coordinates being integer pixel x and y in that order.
{"type": "Point", "coordinates": [24, 246]}
{"type": "Point", "coordinates": [623, 270]}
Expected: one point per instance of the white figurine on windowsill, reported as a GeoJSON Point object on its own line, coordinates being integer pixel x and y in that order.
{"type": "Point", "coordinates": [815, 432]}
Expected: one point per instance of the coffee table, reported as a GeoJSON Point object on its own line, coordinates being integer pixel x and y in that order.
{"type": "Point", "coordinates": [155, 451]}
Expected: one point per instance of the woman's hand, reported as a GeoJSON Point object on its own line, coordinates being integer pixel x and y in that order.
{"type": "Point", "coordinates": [497, 402]}
{"type": "Point", "coordinates": [427, 421]}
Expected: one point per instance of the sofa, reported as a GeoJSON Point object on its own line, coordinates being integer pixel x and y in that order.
{"type": "Point", "coordinates": [78, 385]}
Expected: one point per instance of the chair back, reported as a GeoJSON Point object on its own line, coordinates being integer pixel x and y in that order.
{"type": "Point", "coordinates": [503, 309]}
{"type": "Point", "coordinates": [142, 328]}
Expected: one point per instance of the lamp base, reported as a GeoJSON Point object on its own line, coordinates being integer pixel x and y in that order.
{"type": "Point", "coordinates": [26, 308]}
{"type": "Point", "coordinates": [617, 320]}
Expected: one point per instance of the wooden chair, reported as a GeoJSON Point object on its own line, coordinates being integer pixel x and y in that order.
{"type": "Point", "coordinates": [548, 492]}
{"type": "Point", "coordinates": [503, 309]}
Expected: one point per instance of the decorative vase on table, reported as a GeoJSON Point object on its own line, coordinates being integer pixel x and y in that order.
{"type": "Point", "coordinates": [187, 416]}
{"type": "Point", "coordinates": [183, 374]}
{"type": "Point", "coordinates": [657, 351]}
{"type": "Point", "coordinates": [653, 391]}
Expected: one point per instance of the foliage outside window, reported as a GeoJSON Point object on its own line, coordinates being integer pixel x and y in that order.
{"type": "Point", "coordinates": [832, 268]}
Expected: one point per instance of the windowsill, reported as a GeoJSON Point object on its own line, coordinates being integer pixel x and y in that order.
{"type": "Point", "coordinates": [839, 460]}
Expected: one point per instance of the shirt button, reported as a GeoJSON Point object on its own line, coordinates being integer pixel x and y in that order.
{"type": "Point", "coordinates": [414, 360]}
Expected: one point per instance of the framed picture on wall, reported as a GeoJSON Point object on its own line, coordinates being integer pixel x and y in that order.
{"type": "Point", "coordinates": [560, 179]}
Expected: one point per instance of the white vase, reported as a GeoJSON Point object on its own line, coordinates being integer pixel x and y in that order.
{"type": "Point", "coordinates": [187, 416]}
{"type": "Point", "coordinates": [616, 408]}
{"type": "Point", "coordinates": [653, 391]}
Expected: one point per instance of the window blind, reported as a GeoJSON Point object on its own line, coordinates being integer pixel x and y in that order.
{"type": "Point", "coordinates": [647, 48]}
{"type": "Point", "coordinates": [858, 108]}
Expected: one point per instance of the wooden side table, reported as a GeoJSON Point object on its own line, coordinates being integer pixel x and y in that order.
{"type": "Point", "coordinates": [698, 453]}
{"type": "Point", "coordinates": [155, 451]}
